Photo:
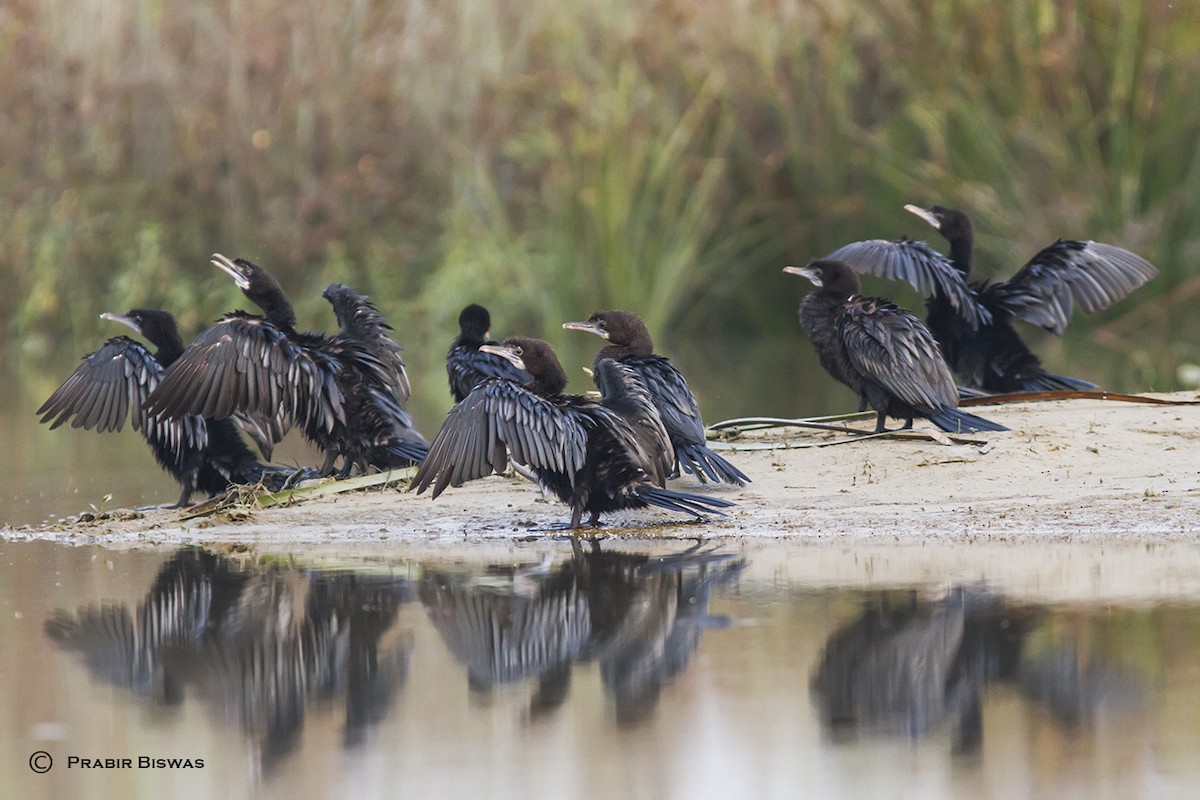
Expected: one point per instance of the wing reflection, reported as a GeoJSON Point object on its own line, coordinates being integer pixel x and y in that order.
{"type": "Point", "coordinates": [256, 645]}
{"type": "Point", "coordinates": [907, 665]}
{"type": "Point", "coordinates": [641, 617]}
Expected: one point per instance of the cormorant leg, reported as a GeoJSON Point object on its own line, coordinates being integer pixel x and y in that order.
{"type": "Point", "coordinates": [185, 496]}
{"type": "Point", "coordinates": [327, 464]}
{"type": "Point", "coordinates": [880, 419]}
{"type": "Point", "coordinates": [908, 421]}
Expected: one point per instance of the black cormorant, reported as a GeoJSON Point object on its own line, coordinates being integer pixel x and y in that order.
{"type": "Point", "coordinates": [466, 364]}
{"type": "Point", "coordinates": [630, 343]}
{"type": "Point", "coordinates": [378, 424]}
{"type": "Point", "coordinates": [261, 366]}
{"type": "Point", "coordinates": [973, 321]}
{"type": "Point", "coordinates": [112, 384]}
{"type": "Point", "coordinates": [881, 351]}
{"type": "Point", "coordinates": [594, 456]}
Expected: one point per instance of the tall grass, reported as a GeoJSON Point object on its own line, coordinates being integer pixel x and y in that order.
{"type": "Point", "coordinates": [557, 157]}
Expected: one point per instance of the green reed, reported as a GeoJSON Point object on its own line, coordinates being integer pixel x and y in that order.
{"type": "Point", "coordinates": [555, 158]}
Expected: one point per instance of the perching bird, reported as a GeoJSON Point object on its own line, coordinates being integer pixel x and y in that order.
{"type": "Point", "coordinates": [595, 457]}
{"type": "Point", "coordinates": [973, 321]}
{"type": "Point", "coordinates": [466, 364]}
{"type": "Point", "coordinates": [263, 367]}
{"type": "Point", "coordinates": [630, 343]}
{"type": "Point", "coordinates": [112, 384]}
{"type": "Point", "coordinates": [882, 352]}
{"type": "Point", "coordinates": [378, 422]}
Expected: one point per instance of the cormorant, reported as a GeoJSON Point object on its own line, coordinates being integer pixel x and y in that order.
{"type": "Point", "coordinates": [595, 457]}
{"type": "Point", "coordinates": [377, 418]}
{"type": "Point", "coordinates": [332, 387]}
{"type": "Point", "coordinates": [973, 322]}
{"type": "Point", "coordinates": [880, 351]}
{"type": "Point", "coordinates": [203, 455]}
{"type": "Point", "coordinates": [630, 343]}
{"type": "Point", "coordinates": [466, 364]}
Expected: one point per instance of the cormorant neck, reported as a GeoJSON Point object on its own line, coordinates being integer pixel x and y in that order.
{"type": "Point", "coordinates": [279, 312]}
{"type": "Point", "coordinates": [170, 348]}
{"type": "Point", "coordinates": [960, 252]}
{"type": "Point", "coordinates": [621, 351]}
{"type": "Point", "coordinates": [549, 382]}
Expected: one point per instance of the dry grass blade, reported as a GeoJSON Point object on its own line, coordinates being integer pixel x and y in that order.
{"type": "Point", "coordinates": [1072, 394]}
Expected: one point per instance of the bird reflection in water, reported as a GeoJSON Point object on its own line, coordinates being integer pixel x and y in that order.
{"type": "Point", "coordinates": [907, 666]}
{"type": "Point", "coordinates": [639, 616]}
{"type": "Point", "coordinates": [255, 645]}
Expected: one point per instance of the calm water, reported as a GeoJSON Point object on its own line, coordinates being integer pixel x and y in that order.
{"type": "Point", "coordinates": [644, 670]}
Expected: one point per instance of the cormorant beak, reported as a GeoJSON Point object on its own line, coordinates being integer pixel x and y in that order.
{"type": "Point", "coordinates": [129, 321]}
{"type": "Point", "coordinates": [227, 266]}
{"type": "Point", "coordinates": [590, 327]}
{"type": "Point", "coordinates": [806, 272]}
{"type": "Point", "coordinates": [925, 214]}
{"type": "Point", "coordinates": [505, 352]}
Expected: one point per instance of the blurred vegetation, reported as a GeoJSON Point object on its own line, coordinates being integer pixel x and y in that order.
{"type": "Point", "coordinates": [552, 158]}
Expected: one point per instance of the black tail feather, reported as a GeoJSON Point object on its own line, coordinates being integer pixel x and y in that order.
{"type": "Point", "coordinates": [698, 460]}
{"type": "Point", "coordinates": [695, 504]}
{"type": "Point", "coordinates": [1049, 382]}
{"type": "Point", "coordinates": [952, 420]}
{"type": "Point", "coordinates": [413, 452]}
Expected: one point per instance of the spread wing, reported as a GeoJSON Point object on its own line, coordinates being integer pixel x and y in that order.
{"type": "Point", "coordinates": [919, 265]}
{"type": "Point", "coordinates": [467, 367]}
{"type": "Point", "coordinates": [112, 384]}
{"type": "Point", "coordinates": [245, 365]}
{"type": "Point", "coordinates": [892, 347]}
{"type": "Point", "coordinates": [1090, 275]}
{"type": "Point", "coordinates": [496, 419]}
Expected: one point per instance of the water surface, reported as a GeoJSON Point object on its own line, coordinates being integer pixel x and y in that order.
{"type": "Point", "coordinates": [646, 669]}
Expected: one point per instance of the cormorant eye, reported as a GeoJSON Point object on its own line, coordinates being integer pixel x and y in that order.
{"type": "Point", "coordinates": [517, 351]}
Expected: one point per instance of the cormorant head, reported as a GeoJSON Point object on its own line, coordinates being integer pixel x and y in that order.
{"type": "Point", "coordinates": [834, 277]}
{"type": "Point", "coordinates": [474, 322]}
{"type": "Point", "coordinates": [535, 357]}
{"type": "Point", "coordinates": [950, 222]}
{"type": "Point", "coordinates": [259, 286]}
{"type": "Point", "coordinates": [156, 326]}
{"type": "Point", "coordinates": [623, 328]}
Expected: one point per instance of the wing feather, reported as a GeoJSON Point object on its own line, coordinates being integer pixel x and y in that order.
{"type": "Point", "coordinates": [1090, 275]}
{"type": "Point", "coordinates": [918, 264]}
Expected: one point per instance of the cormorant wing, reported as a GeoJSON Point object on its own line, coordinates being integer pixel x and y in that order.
{"type": "Point", "coordinates": [892, 347]}
{"type": "Point", "coordinates": [623, 391]}
{"type": "Point", "coordinates": [919, 265]}
{"type": "Point", "coordinates": [111, 384]}
{"type": "Point", "coordinates": [498, 418]}
{"type": "Point", "coordinates": [467, 367]}
{"type": "Point", "coordinates": [675, 402]}
{"type": "Point", "coordinates": [1091, 275]}
{"type": "Point", "coordinates": [246, 365]}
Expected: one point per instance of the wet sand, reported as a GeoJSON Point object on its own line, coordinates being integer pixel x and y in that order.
{"type": "Point", "coordinates": [1068, 471]}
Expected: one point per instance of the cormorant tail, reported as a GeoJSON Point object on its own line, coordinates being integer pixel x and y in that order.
{"type": "Point", "coordinates": [952, 420]}
{"type": "Point", "coordinates": [695, 504]}
{"type": "Point", "coordinates": [411, 451]}
{"type": "Point", "coordinates": [698, 460]}
{"type": "Point", "coordinates": [1049, 382]}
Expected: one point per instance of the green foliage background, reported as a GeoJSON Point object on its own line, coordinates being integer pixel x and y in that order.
{"type": "Point", "coordinates": [552, 158]}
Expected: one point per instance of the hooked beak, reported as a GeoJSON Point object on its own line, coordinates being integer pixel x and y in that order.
{"type": "Point", "coordinates": [806, 272]}
{"type": "Point", "coordinates": [505, 352]}
{"type": "Point", "coordinates": [590, 327]}
{"type": "Point", "coordinates": [227, 266]}
{"type": "Point", "coordinates": [924, 214]}
{"type": "Point", "coordinates": [129, 321]}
